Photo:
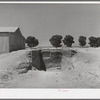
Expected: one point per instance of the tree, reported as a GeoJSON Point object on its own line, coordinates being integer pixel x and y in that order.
{"type": "Point", "coordinates": [32, 41]}
{"type": "Point", "coordinates": [93, 41]}
{"type": "Point", "coordinates": [98, 41]}
{"type": "Point", "coordinates": [82, 41]}
{"type": "Point", "coordinates": [55, 40]}
{"type": "Point", "coordinates": [68, 40]}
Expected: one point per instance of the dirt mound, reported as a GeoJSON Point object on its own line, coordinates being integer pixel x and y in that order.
{"type": "Point", "coordinates": [83, 68]}
{"type": "Point", "coordinates": [80, 69]}
{"type": "Point", "coordinates": [24, 67]}
{"type": "Point", "coordinates": [14, 63]}
{"type": "Point", "coordinates": [87, 66]}
{"type": "Point", "coordinates": [69, 53]}
{"type": "Point", "coordinates": [73, 59]}
{"type": "Point", "coordinates": [66, 63]}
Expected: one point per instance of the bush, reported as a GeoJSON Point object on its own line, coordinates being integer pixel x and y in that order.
{"type": "Point", "coordinates": [32, 41]}
{"type": "Point", "coordinates": [93, 41]}
{"type": "Point", "coordinates": [55, 40]}
{"type": "Point", "coordinates": [82, 41]}
{"type": "Point", "coordinates": [68, 40]}
{"type": "Point", "coordinates": [98, 42]}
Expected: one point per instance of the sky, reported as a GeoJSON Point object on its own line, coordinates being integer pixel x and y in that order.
{"type": "Point", "coordinates": [44, 20]}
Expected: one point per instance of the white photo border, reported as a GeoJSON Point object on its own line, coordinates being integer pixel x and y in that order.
{"type": "Point", "coordinates": [41, 93]}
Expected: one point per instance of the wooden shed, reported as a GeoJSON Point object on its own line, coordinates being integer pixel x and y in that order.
{"type": "Point", "coordinates": [11, 39]}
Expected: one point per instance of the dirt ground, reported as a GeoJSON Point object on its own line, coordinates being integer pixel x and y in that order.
{"type": "Point", "coordinates": [82, 70]}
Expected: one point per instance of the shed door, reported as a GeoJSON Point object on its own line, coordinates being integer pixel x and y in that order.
{"type": "Point", "coordinates": [4, 44]}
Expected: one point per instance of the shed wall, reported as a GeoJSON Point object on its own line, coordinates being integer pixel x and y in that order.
{"type": "Point", "coordinates": [4, 43]}
{"type": "Point", "coordinates": [17, 42]}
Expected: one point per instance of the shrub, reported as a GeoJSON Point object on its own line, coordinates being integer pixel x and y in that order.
{"type": "Point", "coordinates": [55, 40]}
{"type": "Point", "coordinates": [82, 41]}
{"type": "Point", "coordinates": [93, 41]}
{"type": "Point", "coordinates": [68, 40]}
{"type": "Point", "coordinates": [32, 41]}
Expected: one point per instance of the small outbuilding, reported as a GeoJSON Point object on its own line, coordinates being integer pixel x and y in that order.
{"type": "Point", "coordinates": [11, 39]}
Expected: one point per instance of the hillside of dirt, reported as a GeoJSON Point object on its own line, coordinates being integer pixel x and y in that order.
{"type": "Point", "coordinates": [72, 68]}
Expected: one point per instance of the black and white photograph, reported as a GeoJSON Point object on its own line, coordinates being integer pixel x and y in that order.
{"type": "Point", "coordinates": [50, 46]}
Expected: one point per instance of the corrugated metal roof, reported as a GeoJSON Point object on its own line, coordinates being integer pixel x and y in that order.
{"type": "Point", "coordinates": [8, 29]}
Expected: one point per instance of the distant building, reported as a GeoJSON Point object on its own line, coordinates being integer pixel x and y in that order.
{"type": "Point", "coordinates": [11, 39]}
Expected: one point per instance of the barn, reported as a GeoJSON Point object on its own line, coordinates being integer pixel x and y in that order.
{"type": "Point", "coordinates": [11, 39]}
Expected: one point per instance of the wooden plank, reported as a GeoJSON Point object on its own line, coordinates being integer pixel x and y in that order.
{"type": "Point", "coordinates": [4, 44]}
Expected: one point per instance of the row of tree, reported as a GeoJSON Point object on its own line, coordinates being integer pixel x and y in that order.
{"type": "Point", "coordinates": [56, 41]}
{"type": "Point", "coordinates": [68, 40]}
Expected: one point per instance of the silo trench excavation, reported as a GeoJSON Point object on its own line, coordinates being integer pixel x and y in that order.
{"type": "Point", "coordinates": [49, 59]}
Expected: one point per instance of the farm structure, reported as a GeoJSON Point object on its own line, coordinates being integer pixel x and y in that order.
{"type": "Point", "coordinates": [11, 39]}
